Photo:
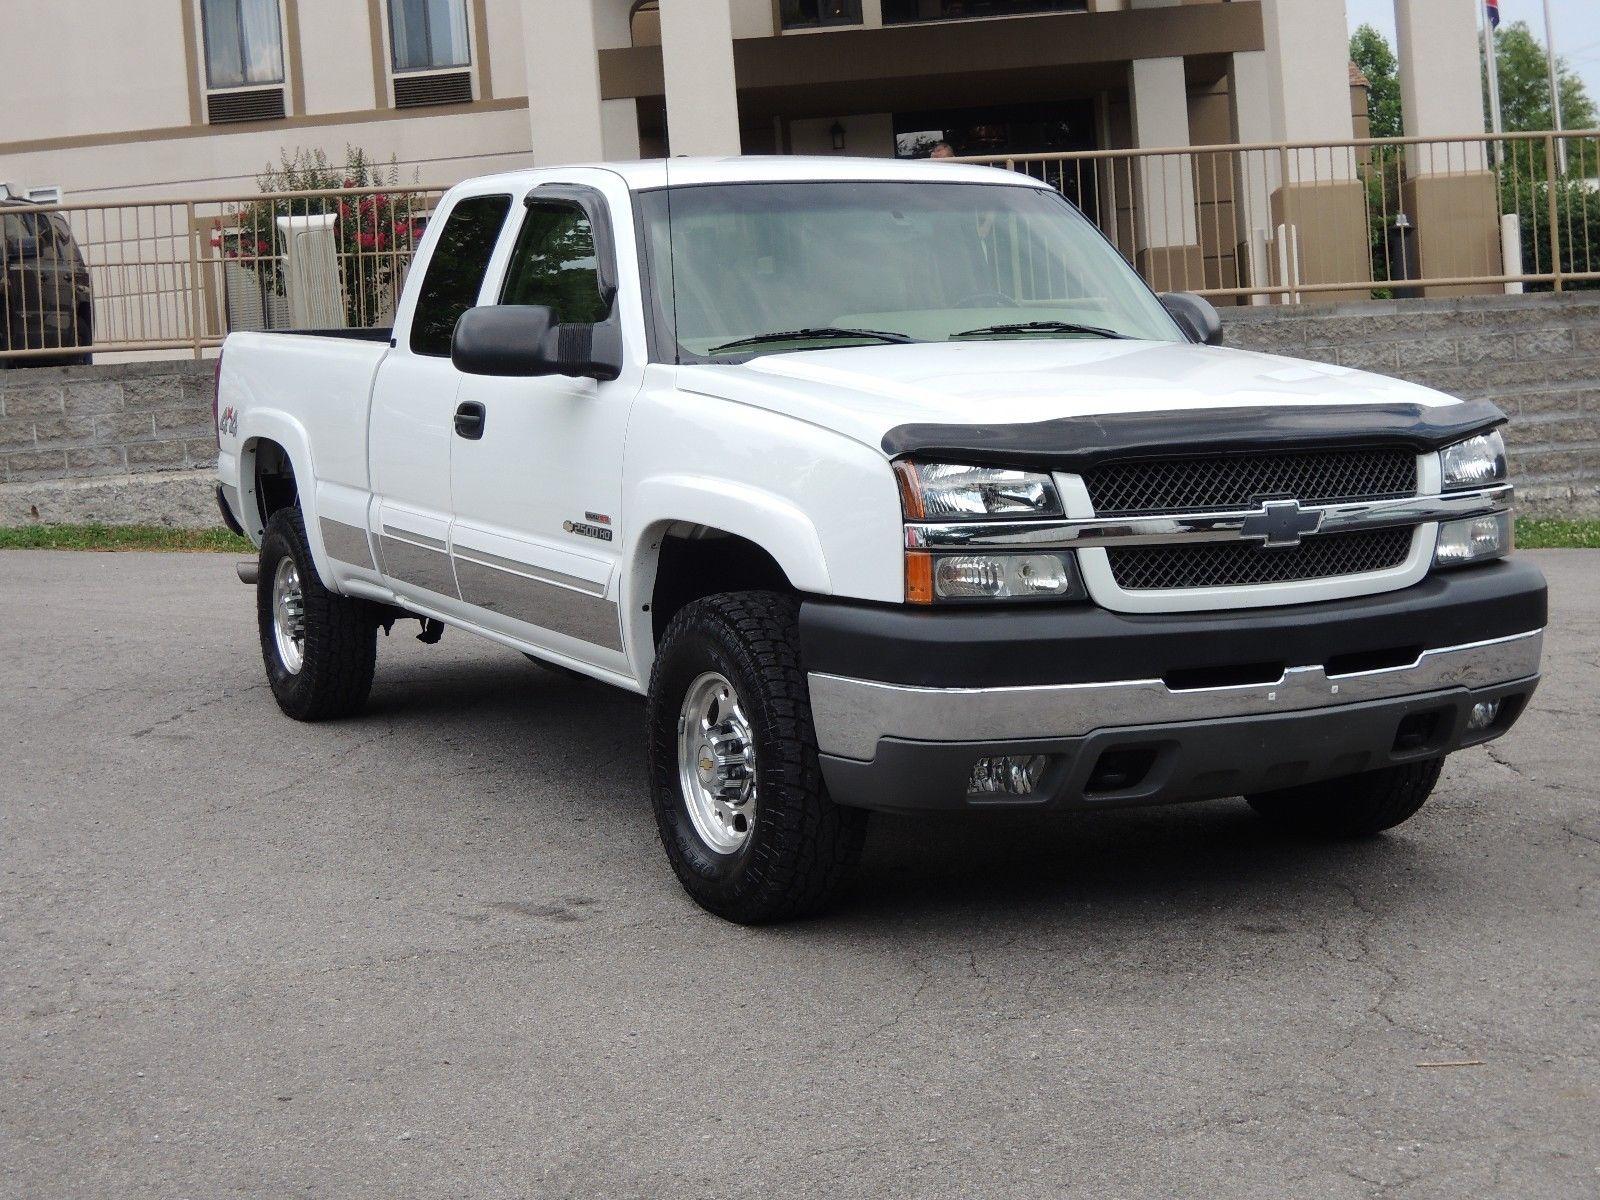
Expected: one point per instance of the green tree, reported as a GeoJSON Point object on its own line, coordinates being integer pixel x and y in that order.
{"type": "Point", "coordinates": [1525, 85]}
{"type": "Point", "coordinates": [1371, 53]}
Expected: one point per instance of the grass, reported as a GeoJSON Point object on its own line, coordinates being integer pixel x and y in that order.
{"type": "Point", "coordinates": [1535, 534]}
{"type": "Point", "coordinates": [122, 537]}
{"type": "Point", "coordinates": [1532, 534]}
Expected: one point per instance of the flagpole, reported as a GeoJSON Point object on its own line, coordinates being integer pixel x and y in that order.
{"type": "Point", "coordinates": [1555, 86]}
{"type": "Point", "coordinates": [1492, 70]}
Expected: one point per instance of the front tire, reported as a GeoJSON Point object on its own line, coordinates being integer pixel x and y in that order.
{"type": "Point", "coordinates": [320, 648]}
{"type": "Point", "coordinates": [744, 816]}
{"type": "Point", "coordinates": [1354, 806]}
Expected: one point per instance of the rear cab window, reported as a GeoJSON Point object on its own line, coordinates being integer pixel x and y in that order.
{"type": "Point", "coordinates": [455, 271]}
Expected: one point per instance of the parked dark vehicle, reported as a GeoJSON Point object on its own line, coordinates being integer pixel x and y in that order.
{"type": "Point", "coordinates": [46, 297]}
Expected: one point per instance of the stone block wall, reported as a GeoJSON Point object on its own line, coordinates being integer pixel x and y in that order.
{"type": "Point", "coordinates": [134, 442]}
{"type": "Point", "coordinates": [1536, 356]}
{"type": "Point", "coordinates": [127, 419]}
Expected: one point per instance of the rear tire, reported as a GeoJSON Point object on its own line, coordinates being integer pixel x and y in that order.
{"type": "Point", "coordinates": [325, 671]}
{"type": "Point", "coordinates": [744, 816]}
{"type": "Point", "coordinates": [1353, 806]}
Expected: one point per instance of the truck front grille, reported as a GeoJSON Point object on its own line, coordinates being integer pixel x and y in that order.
{"type": "Point", "coordinates": [1231, 564]}
{"type": "Point", "coordinates": [1173, 485]}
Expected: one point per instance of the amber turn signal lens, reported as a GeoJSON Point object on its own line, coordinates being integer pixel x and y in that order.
{"type": "Point", "coordinates": [919, 577]}
{"type": "Point", "coordinates": [910, 492]}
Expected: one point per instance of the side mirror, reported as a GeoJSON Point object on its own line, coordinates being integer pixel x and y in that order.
{"type": "Point", "coordinates": [523, 340]}
{"type": "Point", "coordinates": [1195, 315]}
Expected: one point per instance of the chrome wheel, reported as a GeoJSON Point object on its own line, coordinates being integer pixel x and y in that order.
{"type": "Point", "coordinates": [289, 615]}
{"type": "Point", "coordinates": [717, 763]}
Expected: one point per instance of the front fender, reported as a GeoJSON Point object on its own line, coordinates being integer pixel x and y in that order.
{"type": "Point", "coordinates": [775, 524]}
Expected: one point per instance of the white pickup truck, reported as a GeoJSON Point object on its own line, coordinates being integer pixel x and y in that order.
{"type": "Point", "coordinates": [893, 487]}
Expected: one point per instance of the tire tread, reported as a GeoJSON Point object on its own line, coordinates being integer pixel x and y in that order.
{"type": "Point", "coordinates": [817, 842]}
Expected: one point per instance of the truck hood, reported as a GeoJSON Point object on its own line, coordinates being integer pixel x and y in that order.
{"type": "Point", "coordinates": [864, 392]}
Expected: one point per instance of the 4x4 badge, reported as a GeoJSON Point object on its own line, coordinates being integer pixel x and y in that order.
{"type": "Point", "coordinates": [1281, 524]}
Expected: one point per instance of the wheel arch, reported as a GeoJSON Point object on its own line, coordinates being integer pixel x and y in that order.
{"type": "Point", "coordinates": [699, 537]}
{"type": "Point", "coordinates": [275, 469]}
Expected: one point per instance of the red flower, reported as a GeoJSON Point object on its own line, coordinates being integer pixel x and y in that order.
{"type": "Point", "coordinates": [263, 247]}
{"type": "Point", "coordinates": [366, 240]}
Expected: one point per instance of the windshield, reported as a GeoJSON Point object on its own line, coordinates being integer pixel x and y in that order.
{"type": "Point", "coordinates": [757, 268]}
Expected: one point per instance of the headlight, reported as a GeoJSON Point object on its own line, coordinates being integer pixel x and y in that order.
{"type": "Point", "coordinates": [1476, 462]}
{"type": "Point", "coordinates": [944, 492]}
{"type": "Point", "coordinates": [1475, 539]}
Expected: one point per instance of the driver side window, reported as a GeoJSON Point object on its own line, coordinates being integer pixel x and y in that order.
{"type": "Point", "coordinates": [555, 264]}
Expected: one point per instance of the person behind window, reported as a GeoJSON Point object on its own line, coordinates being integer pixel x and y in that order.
{"type": "Point", "coordinates": [942, 150]}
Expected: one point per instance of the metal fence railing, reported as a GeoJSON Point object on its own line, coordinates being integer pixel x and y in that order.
{"type": "Point", "coordinates": [1267, 223]}
{"type": "Point", "coordinates": [1380, 217]}
{"type": "Point", "coordinates": [179, 275]}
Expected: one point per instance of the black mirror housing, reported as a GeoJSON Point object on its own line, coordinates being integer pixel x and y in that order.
{"type": "Point", "coordinates": [524, 341]}
{"type": "Point", "coordinates": [1195, 315]}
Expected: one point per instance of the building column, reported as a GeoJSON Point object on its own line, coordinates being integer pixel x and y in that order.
{"type": "Point", "coordinates": [1319, 205]}
{"type": "Point", "coordinates": [1450, 193]}
{"type": "Point", "coordinates": [1167, 234]}
{"type": "Point", "coordinates": [1256, 173]}
{"type": "Point", "coordinates": [697, 61]}
{"type": "Point", "coordinates": [561, 50]}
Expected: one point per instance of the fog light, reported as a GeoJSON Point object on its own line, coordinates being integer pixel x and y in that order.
{"type": "Point", "coordinates": [1013, 775]}
{"type": "Point", "coordinates": [1483, 714]}
{"type": "Point", "coordinates": [1473, 540]}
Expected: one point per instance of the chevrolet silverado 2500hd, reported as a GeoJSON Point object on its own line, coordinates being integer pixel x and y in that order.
{"type": "Point", "coordinates": [892, 486]}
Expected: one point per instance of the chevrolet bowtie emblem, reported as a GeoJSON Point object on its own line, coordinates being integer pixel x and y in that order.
{"type": "Point", "coordinates": [1281, 524]}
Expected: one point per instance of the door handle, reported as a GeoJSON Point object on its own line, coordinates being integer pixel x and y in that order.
{"type": "Point", "coordinates": [470, 419]}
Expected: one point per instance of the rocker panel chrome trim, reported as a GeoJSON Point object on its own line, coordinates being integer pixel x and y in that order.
{"type": "Point", "coordinates": [347, 543]}
{"type": "Point", "coordinates": [852, 715]}
{"type": "Point", "coordinates": [408, 560]}
{"type": "Point", "coordinates": [526, 595]}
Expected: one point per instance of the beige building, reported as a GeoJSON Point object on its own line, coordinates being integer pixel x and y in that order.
{"type": "Point", "coordinates": [192, 98]}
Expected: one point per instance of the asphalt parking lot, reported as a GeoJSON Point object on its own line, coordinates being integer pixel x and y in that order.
{"type": "Point", "coordinates": [437, 952]}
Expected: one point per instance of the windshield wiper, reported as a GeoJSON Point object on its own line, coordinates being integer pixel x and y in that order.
{"type": "Point", "coordinates": [1045, 327]}
{"type": "Point", "coordinates": [817, 334]}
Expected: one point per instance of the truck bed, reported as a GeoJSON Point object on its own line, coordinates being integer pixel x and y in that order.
{"type": "Point", "coordinates": [383, 333]}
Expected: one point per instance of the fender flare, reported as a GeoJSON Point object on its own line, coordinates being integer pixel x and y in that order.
{"type": "Point", "coordinates": [274, 425]}
{"type": "Point", "coordinates": [778, 526]}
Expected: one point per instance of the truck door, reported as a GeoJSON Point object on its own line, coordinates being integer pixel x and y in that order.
{"type": "Point", "coordinates": [413, 407]}
{"type": "Point", "coordinates": [536, 463]}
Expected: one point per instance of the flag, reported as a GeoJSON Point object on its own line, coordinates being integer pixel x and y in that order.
{"type": "Point", "coordinates": [1493, 9]}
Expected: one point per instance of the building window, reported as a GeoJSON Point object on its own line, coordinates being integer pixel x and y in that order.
{"type": "Point", "coordinates": [804, 14]}
{"type": "Point", "coordinates": [429, 35]}
{"type": "Point", "coordinates": [244, 42]}
{"type": "Point", "coordinates": [897, 12]}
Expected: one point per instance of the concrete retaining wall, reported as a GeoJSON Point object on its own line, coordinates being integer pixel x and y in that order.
{"type": "Point", "coordinates": [130, 443]}
{"type": "Point", "coordinates": [134, 442]}
{"type": "Point", "coordinates": [1536, 356]}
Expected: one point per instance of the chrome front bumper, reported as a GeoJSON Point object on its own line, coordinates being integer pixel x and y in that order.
{"type": "Point", "coordinates": [853, 715]}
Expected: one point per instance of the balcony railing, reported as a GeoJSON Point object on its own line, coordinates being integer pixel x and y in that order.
{"type": "Point", "coordinates": [181, 274]}
{"type": "Point", "coordinates": [1375, 218]}
{"type": "Point", "coordinates": [1264, 224]}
